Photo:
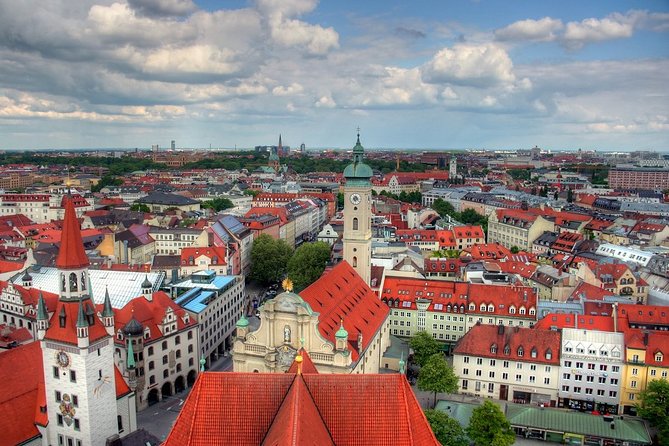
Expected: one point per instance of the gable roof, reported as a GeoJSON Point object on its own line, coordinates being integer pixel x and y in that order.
{"type": "Point", "coordinates": [224, 409]}
{"type": "Point", "coordinates": [480, 339]}
{"type": "Point", "coordinates": [341, 294]}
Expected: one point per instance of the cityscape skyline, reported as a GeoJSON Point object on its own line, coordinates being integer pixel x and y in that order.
{"type": "Point", "coordinates": [422, 75]}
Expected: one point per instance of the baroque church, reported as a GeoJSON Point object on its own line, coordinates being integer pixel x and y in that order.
{"type": "Point", "coordinates": [338, 319]}
{"type": "Point", "coordinates": [64, 389]}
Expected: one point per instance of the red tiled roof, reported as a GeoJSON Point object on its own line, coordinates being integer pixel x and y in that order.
{"type": "Point", "coordinates": [122, 388]}
{"type": "Point", "coordinates": [488, 251]}
{"type": "Point", "coordinates": [586, 291]}
{"type": "Point", "coordinates": [71, 253]}
{"type": "Point", "coordinates": [7, 267]}
{"type": "Point", "coordinates": [522, 269]}
{"type": "Point", "coordinates": [442, 293]}
{"type": "Point", "coordinates": [29, 296]}
{"type": "Point", "coordinates": [644, 314]}
{"type": "Point", "coordinates": [562, 320]}
{"type": "Point", "coordinates": [68, 332]}
{"type": "Point", "coordinates": [483, 340]}
{"type": "Point", "coordinates": [468, 231]}
{"type": "Point", "coordinates": [658, 342]}
{"type": "Point", "coordinates": [218, 252]}
{"type": "Point", "coordinates": [150, 314]}
{"type": "Point", "coordinates": [224, 409]}
{"type": "Point", "coordinates": [21, 373]}
{"type": "Point", "coordinates": [503, 298]}
{"type": "Point", "coordinates": [298, 421]}
{"type": "Point", "coordinates": [308, 365]}
{"type": "Point", "coordinates": [341, 294]}
{"type": "Point", "coordinates": [10, 335]}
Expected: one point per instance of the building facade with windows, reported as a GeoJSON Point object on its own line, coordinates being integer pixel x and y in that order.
{"type": "Point", "coordinates": [514, 227]}
{"type": "Point", "coordinates": [509, 363]}
{"type": "Point", "coordinates": [592, 369]}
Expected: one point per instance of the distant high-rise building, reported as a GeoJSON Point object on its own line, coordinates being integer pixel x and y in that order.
{"type": "Point", "coordinates": [174, 144]}
{"type": "Point", "coordinates": [453, 167]}
{"type": "Point", "coordinates": [303, 148]}
{"type": "Point", "coordinates": [154, 148]}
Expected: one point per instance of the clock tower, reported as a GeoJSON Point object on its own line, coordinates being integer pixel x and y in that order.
{"type": "Point", "coordinates": [358, 213]}
{"type": "Point", "coordinates": [77, 352]}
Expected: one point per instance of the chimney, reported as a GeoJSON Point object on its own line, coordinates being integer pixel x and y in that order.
{"type": "Point", "coordinates": [525, 295]}
{"type": "Point", "coordinates": [615, 317]}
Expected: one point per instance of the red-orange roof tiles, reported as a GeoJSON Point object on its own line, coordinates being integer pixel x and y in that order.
{"type": "Point", "coordinates": [71, 253]}
{"type": "Point", "coordinates": [342, 294]}
{"type": "Point", "coordinates": [511, 343]}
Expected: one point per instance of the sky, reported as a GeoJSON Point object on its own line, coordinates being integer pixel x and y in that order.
{"type": "Point", "coordinates": [493, 74]}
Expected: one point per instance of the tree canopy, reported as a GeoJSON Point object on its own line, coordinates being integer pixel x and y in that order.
{"type": "Point", "coordinates": [269, 259]}
{"type": "Point", "coordinates": [140, 207]}
{"type": "Point", "coordinates": [218, 204]}
{"type": "Point", "coordinates": [447, 430]}
{"type": "Point", "coordinates": [424, 346]}
{"type": "Point", "coordinates": [488, 426]}
{"type": "Point", "coordinates": [308, 263]}
{"type": "Point", "coordinates": [106, 180]}
{"type": "Point", "coordinates": [654, 407]}
{"type": "Point", "coordinates": [437, 376]}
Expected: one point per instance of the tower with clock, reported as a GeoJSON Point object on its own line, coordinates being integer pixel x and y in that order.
{"type": "Point", "coordinates": [358, 213]}
{"type": "Point", "coordinates": [77, 352]}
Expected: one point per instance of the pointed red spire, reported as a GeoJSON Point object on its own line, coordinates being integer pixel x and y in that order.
{"type": "Point", "coordinates": [71, 254]}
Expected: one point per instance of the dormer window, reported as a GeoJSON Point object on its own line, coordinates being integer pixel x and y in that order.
{"type": "Point", "coordinates": [549, 354]}
{"type": "Point", "coordinates": [472, 307]}
{"type": "Point", "coordinates": [491, 308]}
{"type": "Point", "coordinates": [533, 352]}
{"type": "Point", "coordinates": [147, 333]}
{"type": "Point", "coordinates": [521, 351]}
{"type": "Point", "coordinates": [512, 310]}
{"type": "Point", "coordinates": [522, 310]}
{"type": "Point", "coordinates": [533, 311]}
{"type": "Point", "coordinates": [119, 335]}
{"type": "Point", "coordinates": [658, 357]}
{"type": "Point", "coordinates": [493, 348]}
{"type": "Point", "coordinates": [482, 308]}
{"type": "Point", "coordinates": [507, 349]}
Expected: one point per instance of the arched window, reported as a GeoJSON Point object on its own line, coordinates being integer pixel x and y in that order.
{"type": "Point", "coordinates": [355, 223]}
{"type": "Point", "coordinates": [83, 281]}
{"type": "Point", "coordinates": [73, 282]}
{"type": "Point", "coordinates": [521, 351]}
{"type": "Point", "coordinates": [355, 262]}
{"type": "Point", "coordinates": [493, 348]}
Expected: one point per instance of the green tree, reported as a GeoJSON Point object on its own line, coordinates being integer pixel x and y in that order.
{"type": "Point", "coordinates": [308, 263]}
{"type": "Point", "coordinates": [443, 208]}
{"type": "Point", "coordinates": [424, 346]}
{"type": "Point", "coordinates": [251, 192]}
{"type": "Point", "coordinates": [654, 407]}
{"type": "Point", "coordinates": [514, 250]}
{"type": "Point", "coordinates": [106, 180]}
{"type": "Point", "coordinates": [488, 426]}
{"type": "Point", "coordinates": [140, 207]}
{"type": "Point", "coordinates": [437, 376]}
{"type": "Point", "coordinates": [340, 200]}
{"type": "Point", "coordinates": [447, 430]}
{"type": "Point", "coordinates": [269, 259]}
{"type": "Point", "coordinates": [218, 204]}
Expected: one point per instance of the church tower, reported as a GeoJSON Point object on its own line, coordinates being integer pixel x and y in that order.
{"type": "Point", "coordinates": [453, 168]}
{"type": "Point", "coordinates": [274, 161]}
{"type": "Point", "coordinates": [358, 213]}
{"type": "Point", "coordinates": [77, 352]}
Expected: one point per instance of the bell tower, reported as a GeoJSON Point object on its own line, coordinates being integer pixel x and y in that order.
{"type": "Point", "coordinates": [358, 213]}
{"type": "Point", "coordinates": [77, 351]}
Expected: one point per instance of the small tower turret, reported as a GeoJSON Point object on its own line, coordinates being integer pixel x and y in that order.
{"type": "Point", "coordinates": [82, 327]}
{"type": "Point", "coordinates": [242, 327]}
{"type": "Point", "coordinates": [42, 317]}
{"type": "Point", "coordinates": [147, 288]}
{"type": "Point", "coordinates": [27, 280]}
{"type": "Point", "coordinates": [108, 314]}
{"type": "Point", "coordinates": [341, 338]}
{"type": "Point", "coordinates": [130, 365]}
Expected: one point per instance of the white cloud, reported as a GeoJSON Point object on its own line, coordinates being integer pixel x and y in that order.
{"type": "Point", "coordinates": [464, 64]}
{"type": "Point", "coordinates": [289, 90]}
{"type": "Point", "coordinates": [163, 7]}
{"type": "Point", "coordinates": [325, 102]}
{"type": "Point", "coordinates": [315, 39]}
{"type": "Point", "coordinates": [542, 30]}
{"type": "Point", "coordinates": [615, 26]}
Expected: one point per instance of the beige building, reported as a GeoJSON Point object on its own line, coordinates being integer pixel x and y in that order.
{"type": "Point", "coordinates": [515, 364]}
{"type": "Point", "coordinates": [513, 227]}
{"type": "Point", "coordinates": [338, 320]}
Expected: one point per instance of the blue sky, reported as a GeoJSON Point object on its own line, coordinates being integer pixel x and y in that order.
{"type": "Point", "coordinates": [419, 74]}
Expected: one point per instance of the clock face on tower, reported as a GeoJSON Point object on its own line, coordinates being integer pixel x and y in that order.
{"type": "Point", "coordinates": [355, 198]}
{"type": "Point", "coordinates": [62, 359]}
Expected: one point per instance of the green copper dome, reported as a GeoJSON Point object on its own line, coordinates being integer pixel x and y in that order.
{"type": "Point", "coordinates": [243, 322]}
{"type": "Point", "coordinates": [358, 171]}
{"type": "Point", "coordinates": [341, 333]}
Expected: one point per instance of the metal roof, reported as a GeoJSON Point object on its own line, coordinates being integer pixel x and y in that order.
{"type": "Point", "coordinates": [195, 300]}
{"type": "Point", "coordinates": [123, 286]}
{"type": "Point", "coordinates": [219, 283]}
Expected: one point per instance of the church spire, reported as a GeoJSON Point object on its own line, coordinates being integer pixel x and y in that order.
{"type": "Point", "coordinates": [71, 254]}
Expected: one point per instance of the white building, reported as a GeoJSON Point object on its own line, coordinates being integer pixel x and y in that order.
{"type": "Point", "coordinates": [591, 370]}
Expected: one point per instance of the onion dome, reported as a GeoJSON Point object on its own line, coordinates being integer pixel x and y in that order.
{"type": "Point", "coordinates": [133, 328]}
{"type": "Point", "coordinates": [341, 333]}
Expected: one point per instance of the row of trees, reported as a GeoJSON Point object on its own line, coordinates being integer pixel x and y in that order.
{"type": "Point", "coordinates": [272, 260]}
